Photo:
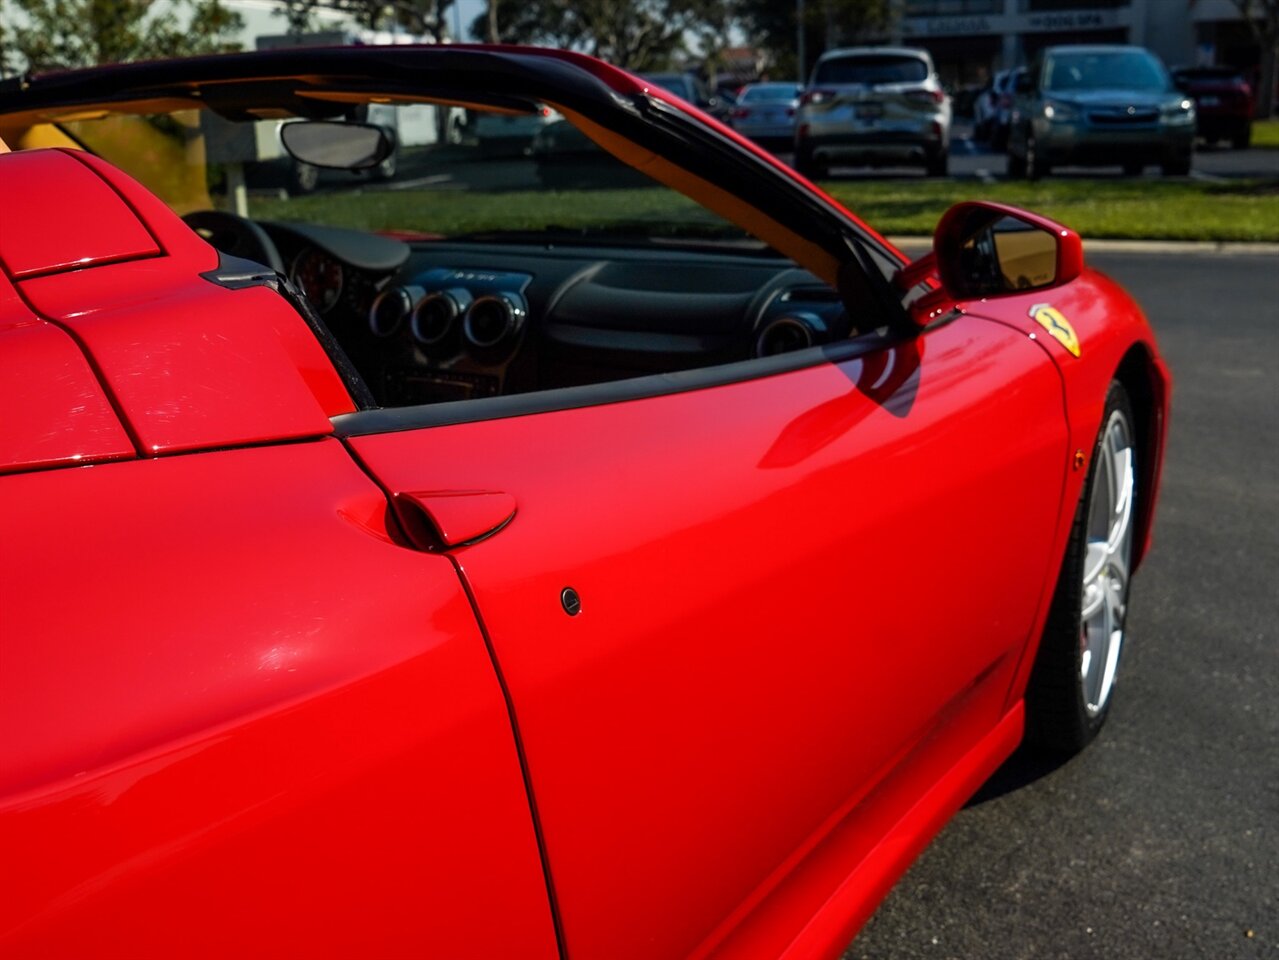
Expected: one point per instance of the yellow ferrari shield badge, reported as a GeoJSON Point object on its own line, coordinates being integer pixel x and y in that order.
{"type": "Point", "coordinates": [1058, 327]}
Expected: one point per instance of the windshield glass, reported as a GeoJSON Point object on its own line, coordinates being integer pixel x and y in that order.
{"type": "Point", "coordinates": [871, 69]}
{"type": "Point", "coordinates": [454, 173]}
{"type": "Point", "coordinates": [1106, 70]}
{"type": "Point", "coordinates": [783, 92]}
{"type": "Point", "coordinates": [1209, 74]}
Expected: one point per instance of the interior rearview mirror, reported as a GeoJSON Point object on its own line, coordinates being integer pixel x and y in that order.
{"type": "Point", "coordinates": [991, 250]}
{"type": "Point", "coordinates": [335, 144]}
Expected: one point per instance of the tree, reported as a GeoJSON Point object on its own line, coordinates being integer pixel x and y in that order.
{"type": "Point", "coordinates": [713, 23]}
{"type": "Point", "coordinates": [418, 17]}
{"type": "Point", "coordinates": [1262, 17]}
{"type": "Point", "coordinates": [51, 34]}
{"type": "Point", "coordinates": [828, 24]}
{"type": "Point", "coordinates": [632, 34]}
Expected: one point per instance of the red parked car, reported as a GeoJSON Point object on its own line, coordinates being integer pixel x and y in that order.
{"type": "Point", "coordinates": [1223, 103]}
{"type": "Point", "coordinates": [451, 567]}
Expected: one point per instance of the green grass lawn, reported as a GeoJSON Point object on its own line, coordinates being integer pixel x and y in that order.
{"type": "Point", "coordinates": [1136, 209]}
{"type": "Point", "coordinates": [1097, 208]}
{"type": "Point", "coordinates": [1265, 133]}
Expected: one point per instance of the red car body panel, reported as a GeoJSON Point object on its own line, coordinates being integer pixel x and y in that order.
{"type": "Point", "coordinates": [307, 694]}
{"type": "Point", "coordinates": [56, 411]}
{"type": "Point", "coordinates": [188, 365]}
{"type": "Point", "coordinates": [1115, 339]}
{"type": "Point", "coordinates": [289, 741]}
{"type": "Point", "coordinates": [50, 194]}
{"type": "Point", "coordinates": [705, 675]}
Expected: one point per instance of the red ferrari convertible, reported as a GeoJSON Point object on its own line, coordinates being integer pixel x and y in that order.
{"type": "Point", "coordinates": [614, 551]}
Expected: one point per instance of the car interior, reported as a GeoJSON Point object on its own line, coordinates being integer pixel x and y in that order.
{"type": "Point", "coordinates": [467, 277]}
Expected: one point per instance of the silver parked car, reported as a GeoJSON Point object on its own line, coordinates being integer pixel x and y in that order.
{"type": "Point", "coordinates": [765, 112]}
{"type": "Point", "coordinates": [1099, 105]}
{"type": "Point", "coordinates": [875, 105]}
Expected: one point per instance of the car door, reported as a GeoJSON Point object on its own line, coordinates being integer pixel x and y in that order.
{"type": "Point", "coordinates": [241, 719]}
{"type": "Point", "coordinates": [240, 715]}
{"type": "Point", "coordinates": [723, 615]}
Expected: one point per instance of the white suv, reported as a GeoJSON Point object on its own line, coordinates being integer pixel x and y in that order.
{"type": "Point", "coordinates": [876, 105]}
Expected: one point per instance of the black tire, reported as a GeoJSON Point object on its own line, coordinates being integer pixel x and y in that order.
{"type": "Point", "coordinates": [1243, 137]}
{"type": "Point", "coordinates": [387, 168]}
{"type": "Point", "coordinates": [806, 164]}
{"type": "Point", "coordinates": [1179, 167]}
{"type": "Point", "coordinates": [938, 165]}
{"type": "Point", "coordinates": [1016, 166]}
{"type": "Point", "coordinates": [1037, 165]}
{"type": "Point", "coordinates": [1133, 169]}
{"type": "Point", "coordinates": [1058, 718]}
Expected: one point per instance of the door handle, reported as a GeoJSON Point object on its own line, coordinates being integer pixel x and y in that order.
{"type": "Point", "coordinates": [442, 519]}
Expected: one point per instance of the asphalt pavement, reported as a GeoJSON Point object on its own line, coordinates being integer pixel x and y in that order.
{"type": "Point", "coordinates": [1161, 840]}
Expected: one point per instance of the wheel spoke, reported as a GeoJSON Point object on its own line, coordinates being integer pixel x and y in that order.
{"type": "Point", "coordinates": [1107, 557]}
{"type": "Point", "coordinates": [1117, 572]}
{"type": "Point", "coordinates": [1094, 599]}
{"type": "Point", "coordinates": [1096, 557]}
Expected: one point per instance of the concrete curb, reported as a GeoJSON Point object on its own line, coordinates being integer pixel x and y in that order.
{"type": "Point", "coordinates": [1167, 247]}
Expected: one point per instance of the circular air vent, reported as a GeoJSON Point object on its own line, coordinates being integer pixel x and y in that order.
{"type": "Point", "coordinates": [493, 321]}
{"type": "Point", "coordinates": [389, 308]}
{"type": "Point", "coordinates": [784, 335]}
{"type": "Point", "coordinates": [434, 317]}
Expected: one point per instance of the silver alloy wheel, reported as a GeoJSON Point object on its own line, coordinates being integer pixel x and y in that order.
{"type": "Point", "coordinates": [1107, 563]}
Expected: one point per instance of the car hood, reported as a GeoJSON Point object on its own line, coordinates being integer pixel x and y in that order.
{"type": "Point", "coordinates": [1115, 98]}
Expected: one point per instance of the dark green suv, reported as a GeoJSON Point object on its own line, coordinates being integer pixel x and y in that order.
{"type": "Point", "coordinates": [1099, 106]}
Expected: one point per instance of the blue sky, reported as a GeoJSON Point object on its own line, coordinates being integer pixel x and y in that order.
{"type": "Point", "coordinates": [469, 9]}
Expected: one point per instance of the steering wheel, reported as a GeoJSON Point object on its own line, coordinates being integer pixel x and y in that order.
{"type": "Point", "coordinates": [238, 236]}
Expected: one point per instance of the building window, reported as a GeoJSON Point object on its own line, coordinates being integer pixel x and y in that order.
{"type": "Point", "coordinates": [1055, 6]}
{"type": "Point", "coordinates": [950, 8]}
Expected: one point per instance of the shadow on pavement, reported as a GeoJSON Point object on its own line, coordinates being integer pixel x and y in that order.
{"type": "Point", "coordinates": [1024, 767]}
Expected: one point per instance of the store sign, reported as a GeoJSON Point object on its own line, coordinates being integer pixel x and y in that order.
{"type": "Point", "coordinates": [954, 26]}
{"type": "Point", "coordinates": [1074, 20]}
{"type": "Point", "coordinates": [970, 26]}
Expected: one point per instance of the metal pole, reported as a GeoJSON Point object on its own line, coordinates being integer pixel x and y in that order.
{"type": "Point", "coordinates": [799, 38]}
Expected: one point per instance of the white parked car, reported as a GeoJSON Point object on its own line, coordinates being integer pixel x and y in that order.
{"type": "Point", "coordinates": [873, 105]}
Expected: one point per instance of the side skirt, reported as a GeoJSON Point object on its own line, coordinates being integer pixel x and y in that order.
{"type": "Point", "coordinates": [818, 909]}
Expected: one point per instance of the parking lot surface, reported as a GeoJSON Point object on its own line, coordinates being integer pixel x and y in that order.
{"type": "Point", "coordinates": [1162, 839]}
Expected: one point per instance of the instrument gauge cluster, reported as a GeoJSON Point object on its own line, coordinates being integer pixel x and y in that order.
{"type": "Point", "coordinates": [320, 278]}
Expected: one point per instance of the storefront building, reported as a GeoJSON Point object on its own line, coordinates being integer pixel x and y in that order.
{"type": "Point", "coordinates": [970, 39]}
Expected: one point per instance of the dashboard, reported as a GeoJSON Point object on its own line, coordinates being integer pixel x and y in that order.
{"type": "Point", "coordinates": [448, 320]}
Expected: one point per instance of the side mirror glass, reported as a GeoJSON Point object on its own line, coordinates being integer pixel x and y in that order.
{"type": "Point", "coordinates": [991, 250]}
{"type": "Point", "coordinates": [335, 144]}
